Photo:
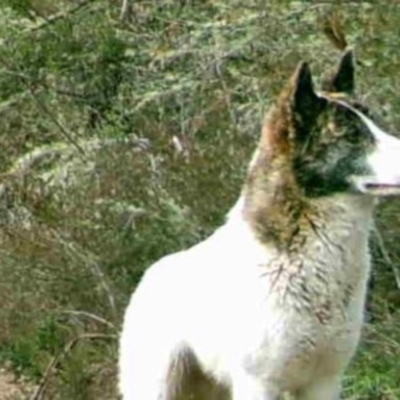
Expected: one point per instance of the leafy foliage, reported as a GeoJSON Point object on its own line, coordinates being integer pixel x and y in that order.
{"type": "Point", "coordinates": [125, 136]}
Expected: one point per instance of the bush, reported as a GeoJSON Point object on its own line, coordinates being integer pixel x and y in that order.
{"type": "Point", "coordinates": [125, 139]}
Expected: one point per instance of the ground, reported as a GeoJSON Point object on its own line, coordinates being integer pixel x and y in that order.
{"type": "Point", "coordinates": [12, 388]}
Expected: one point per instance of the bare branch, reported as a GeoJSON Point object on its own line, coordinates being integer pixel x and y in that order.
{"type": "Point", "coordinates": [43, 107]}
{"type": "Point", "coordinates": [38, 394]}
{"type": "Point", "coordinates": [57, 16]}
{"type": "Point", "coordinates": [126, 10]}
{"type": "Point", "coordinates": [91, 316]}
{"type": "Point", "coordinates": [6, 105]}
{"type": "Point", "coordinates": [93, 266]}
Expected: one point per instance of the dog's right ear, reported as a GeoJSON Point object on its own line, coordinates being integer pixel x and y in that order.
{"type": "Point", "coordinates": [304, 103]}
{"type": "Point", "coordinates": [297, 109]}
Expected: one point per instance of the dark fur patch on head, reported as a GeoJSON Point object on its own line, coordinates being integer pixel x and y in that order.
{"type": "Point", "coordinates": [336, 149]}
{"type": "Point", "coordinates": [316, 138]}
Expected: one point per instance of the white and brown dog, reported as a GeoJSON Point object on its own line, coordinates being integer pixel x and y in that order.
{"type": "Point", "coordinates": [273, 301]}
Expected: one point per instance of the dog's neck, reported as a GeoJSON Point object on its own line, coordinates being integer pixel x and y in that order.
{"type": "Point", "coordinates": [280, 215]}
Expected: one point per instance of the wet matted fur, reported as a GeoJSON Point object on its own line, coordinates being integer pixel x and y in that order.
{"type": "Point", "coordinates": [273, 301]}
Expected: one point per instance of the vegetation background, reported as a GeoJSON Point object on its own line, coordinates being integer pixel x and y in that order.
{"type": "Point", "coordinates": [125, 131]}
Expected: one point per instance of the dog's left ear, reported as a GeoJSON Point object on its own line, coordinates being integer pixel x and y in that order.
{"type": "Point", "coordinates": [342, 81]}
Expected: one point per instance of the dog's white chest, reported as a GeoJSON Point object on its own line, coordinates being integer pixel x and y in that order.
{"type": "Point", "coordinates": [282, 318]}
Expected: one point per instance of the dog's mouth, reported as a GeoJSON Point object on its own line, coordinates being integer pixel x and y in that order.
{"type": "Point", "coordinates": [382, 189]}
{"type": "Point", "coordinates": [376, 187]}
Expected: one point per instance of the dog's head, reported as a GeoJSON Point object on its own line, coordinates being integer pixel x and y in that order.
{"type": "Point", "coordinates": [328, 140]}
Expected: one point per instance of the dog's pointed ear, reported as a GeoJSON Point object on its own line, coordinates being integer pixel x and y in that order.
{"type": "Point", "coordinates": [295, 113]}
{"type": "Point", "coordinates": [304, 101]}
{"type": "Point", "coordinates": [342, 80]}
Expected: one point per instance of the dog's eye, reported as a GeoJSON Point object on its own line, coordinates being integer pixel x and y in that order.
{"type": "Point", "coordinates": [347, 124]}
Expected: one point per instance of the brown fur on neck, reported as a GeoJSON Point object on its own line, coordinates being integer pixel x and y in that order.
{"type": "Point", "coordinates": [274, 204]}
{"type": "Point", "coordinates": [280, 215]}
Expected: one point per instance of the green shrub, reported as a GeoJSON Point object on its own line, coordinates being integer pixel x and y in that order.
{"type": "Point", "coordinates": [127, 139]}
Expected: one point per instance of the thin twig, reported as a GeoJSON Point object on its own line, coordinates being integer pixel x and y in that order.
{"type": "Point", "coordinates": [388, 260]}
{"type": "Point", "coordinates": [38, 394]}
{"type": "Point", "coordinates": [125, 10]}
{"type": "Point", "coordinates": [40, 86]}
{"type": "Point", "coordinates": [43, 107]}
{"type": "Point", "coordinates": [6, 105]}
{"type": "Point", "coordinates": [91, 316]}
{"type": "Point", "coordinates": [94, 267]}
{"type": "Point", "coordinates": [57, 16]}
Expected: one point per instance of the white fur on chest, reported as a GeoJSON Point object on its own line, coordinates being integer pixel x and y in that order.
{"type": "Point", "coordinates": [236, 302]}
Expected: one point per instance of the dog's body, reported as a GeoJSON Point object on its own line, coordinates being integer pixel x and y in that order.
{"type": "Point", "coordinates": [273, 301]}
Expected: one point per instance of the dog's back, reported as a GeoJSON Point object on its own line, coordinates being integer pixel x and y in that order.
{"type": "Point", "coordinates": [272, 302]}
